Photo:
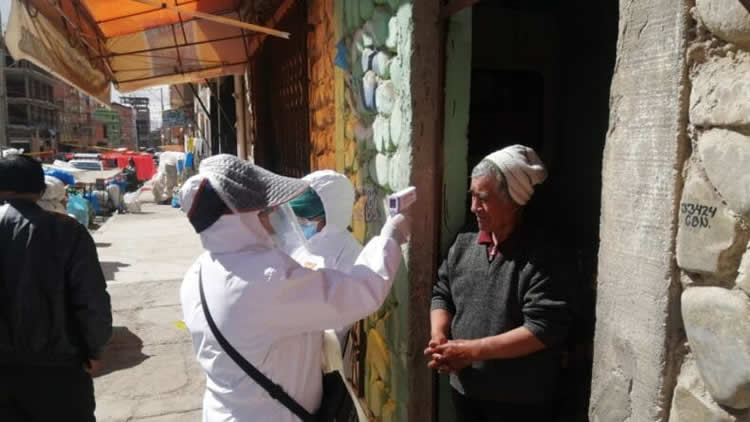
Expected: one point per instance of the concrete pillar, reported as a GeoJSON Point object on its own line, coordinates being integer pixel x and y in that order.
{"type": "Point", "coordinates": [425, 125]}
{"type": "Point", "coordinates": [638, 334]}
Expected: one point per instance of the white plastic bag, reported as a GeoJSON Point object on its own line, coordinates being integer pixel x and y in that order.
{"type": "Point", "coordinates": [132, 204]}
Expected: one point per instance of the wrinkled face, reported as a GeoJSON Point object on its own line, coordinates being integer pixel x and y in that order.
{"type": "Point", "coordinates": [493, 207]}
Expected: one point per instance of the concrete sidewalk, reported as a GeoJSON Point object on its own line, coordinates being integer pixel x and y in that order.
{"type": "Point", "coordinates": [150, 371]}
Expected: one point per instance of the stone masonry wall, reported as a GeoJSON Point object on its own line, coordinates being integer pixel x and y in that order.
{"type": "Point", "coordinates": [714, 212]}
{"type": "Point", "coordinates": [376, 113]}
{"type": "Point", "coordinates": [320, 54]}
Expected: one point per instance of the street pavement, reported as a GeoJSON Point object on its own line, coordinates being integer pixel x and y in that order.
{"type": "Point", "coordinates": [150, 372]}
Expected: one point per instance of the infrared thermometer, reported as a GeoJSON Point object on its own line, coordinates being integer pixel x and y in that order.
{"type": "Point", "coordinates": [401, 200]}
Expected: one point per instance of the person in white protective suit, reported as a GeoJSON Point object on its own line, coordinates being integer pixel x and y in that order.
{"type": "Point", "coordinates": [271, 309]}
{"type": "Point", "coordinates": [324, 212]}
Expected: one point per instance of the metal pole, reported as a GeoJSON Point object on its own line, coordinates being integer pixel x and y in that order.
{"type": "Point", "coordinates": [218, 104]}
{"type": "Point", "coordinates": [239, 106]}
{"type": "Point", "coordinates": [161, 101]}
{"type": "Point", "coordinates": [3, 95]}
{"type": "Point", "coordinates": [205, 110]}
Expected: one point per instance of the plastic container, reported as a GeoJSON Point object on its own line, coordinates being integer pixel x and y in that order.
{"type": "Point", "coordinates": [78, 207]}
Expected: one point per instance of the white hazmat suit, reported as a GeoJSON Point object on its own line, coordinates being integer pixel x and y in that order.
{"type": "Point", "coordinates": [334, 244]}
{"type": "Point", "coordinates": [273, 311]}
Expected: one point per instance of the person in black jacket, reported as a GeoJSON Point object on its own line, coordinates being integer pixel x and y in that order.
{"type": "Point", "coordinates": [499, 308]}
{"type": "Point", "coordinates": [55, 312]}
{"type": "Point", "coordinates": [131, 176]}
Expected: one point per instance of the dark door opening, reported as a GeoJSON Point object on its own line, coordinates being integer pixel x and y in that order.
{"type": "Point", "coordinates": [541, 72]}
{"type": "Point", "coordinates": [223, 116]}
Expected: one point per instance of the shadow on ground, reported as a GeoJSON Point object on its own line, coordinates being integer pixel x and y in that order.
{"type": "Point", "coordinates": [124, 350]}
{"type": "Point", "coordinates": [110, 268]}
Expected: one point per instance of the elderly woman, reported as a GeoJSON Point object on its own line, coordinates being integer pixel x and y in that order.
{"type": "Point", "coordinates": [268, 307]}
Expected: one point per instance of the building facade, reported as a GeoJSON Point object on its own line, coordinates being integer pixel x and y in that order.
{"type": "Point", "coordinates": [128, 129]}
{"type": "Point", "coordinates": [142, 117]}
{"type": "Point", "coordinates": [28, 113]}
{"type": "Point", "coordinates": [108, 131]}
{"type": "Point", "coordinates": [77, 124]}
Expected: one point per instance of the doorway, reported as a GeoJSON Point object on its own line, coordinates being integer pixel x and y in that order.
{"type": "Point", "coordinates": [540, 76]}
{"type": "Point", "coordinates": [223, 117]}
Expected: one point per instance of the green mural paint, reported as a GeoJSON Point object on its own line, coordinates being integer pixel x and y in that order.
{"type": "Point", "coordinates": [455, 146]}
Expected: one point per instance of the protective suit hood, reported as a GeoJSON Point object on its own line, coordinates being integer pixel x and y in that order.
{"type": "Point", "coordinates": [337, 194]}
{"type": "Point", "coordinates": [235, 233]}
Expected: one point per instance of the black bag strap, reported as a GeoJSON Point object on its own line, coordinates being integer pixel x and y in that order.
{"type": "Point", "coordinates": [273, 389]}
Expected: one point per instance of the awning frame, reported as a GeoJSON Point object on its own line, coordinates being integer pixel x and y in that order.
{"type": "Point", "coordinates": [195, 52]}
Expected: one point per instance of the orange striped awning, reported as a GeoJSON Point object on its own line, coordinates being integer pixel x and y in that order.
{"type": "Point", "coordinates": [132, 44]}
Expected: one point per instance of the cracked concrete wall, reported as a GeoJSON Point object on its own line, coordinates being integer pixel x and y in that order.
{"type": "Point", "coordinates": [638, 327]}
{"type": "Point", "coordinates": [714, 217]}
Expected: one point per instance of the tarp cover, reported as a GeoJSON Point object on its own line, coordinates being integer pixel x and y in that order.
{"type": "Point", "coordinates": [89, 43]}
{"type": "Point", "coordinates": [144, 164]}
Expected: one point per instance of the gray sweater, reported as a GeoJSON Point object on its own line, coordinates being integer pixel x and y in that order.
{"type": "Point", "coordinates": [519, 287]}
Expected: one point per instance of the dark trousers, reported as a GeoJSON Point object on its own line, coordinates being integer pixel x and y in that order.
{"type": "Point", "coordinates": [37, 394]}
{"type": "Point", "coordinates": [474, 410]}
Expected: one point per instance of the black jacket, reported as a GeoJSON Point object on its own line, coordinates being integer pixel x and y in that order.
{"type": "Point", "coordinates": [54, 306]}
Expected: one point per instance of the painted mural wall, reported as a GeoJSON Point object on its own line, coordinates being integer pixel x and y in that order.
{"type": "Point", "coordinates": [321, 52]}
{"type": "Point", "coordinates": [373, 145]}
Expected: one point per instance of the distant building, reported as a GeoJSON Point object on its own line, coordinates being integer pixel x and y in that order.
{"type": "Point", "coordinates": [142, 116]}
{"type": "Point", "coordinates": [108, 132]}
{"type": "Point", "coordinates": [27, 104]}
{"type": "Point", "coordinates": [76, 123]}
{"type": "Point", "coordinates": [128, 128]}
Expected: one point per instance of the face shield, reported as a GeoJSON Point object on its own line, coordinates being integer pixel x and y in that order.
{"type": "Point", "coordinates": [282, 226]}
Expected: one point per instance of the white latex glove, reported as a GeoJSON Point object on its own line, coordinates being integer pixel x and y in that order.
{"type": "Point", "coordinates": [397, 228]}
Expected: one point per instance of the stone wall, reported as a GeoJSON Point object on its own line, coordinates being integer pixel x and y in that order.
{"type": "Point", "coordinates": [321, 51]}
{"type": "Point", "coordinates": [637, 311]}
{"type": "Point", "coordinates": [712, 239]}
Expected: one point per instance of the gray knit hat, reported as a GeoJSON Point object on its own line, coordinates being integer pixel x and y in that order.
{"type": "Point", "coordinates": [242, 186]}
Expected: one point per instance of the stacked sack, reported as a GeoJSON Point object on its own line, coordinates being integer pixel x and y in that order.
{"type": "Point", "coordinates": [54, 196]}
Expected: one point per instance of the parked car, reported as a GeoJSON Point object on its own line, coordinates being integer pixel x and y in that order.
{"type": "Point", "coordinates": [87, 164]}
{"type": "Point", "coordinates": [87, 156]}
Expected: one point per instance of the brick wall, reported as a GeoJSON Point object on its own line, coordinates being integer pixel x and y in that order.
{"type": "Point", "coordinates": [320, 54]}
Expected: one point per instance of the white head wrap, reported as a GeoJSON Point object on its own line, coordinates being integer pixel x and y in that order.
{"type": "Point", "coordinates": [522, 169]}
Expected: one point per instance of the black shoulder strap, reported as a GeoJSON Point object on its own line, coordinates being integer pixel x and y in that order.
{"type": "Point", "coordinates": [273, 389]}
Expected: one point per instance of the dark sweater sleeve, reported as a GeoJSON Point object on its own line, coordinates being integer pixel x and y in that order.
{"type": "Point", "coordinates": [90, 302]}
{"type": "Point", "coordinates": [441, 291]}
{"type": "Point", "coordinates": [545, 304]}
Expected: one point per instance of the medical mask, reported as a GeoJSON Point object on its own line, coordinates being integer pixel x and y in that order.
{"type": "Point", "coordinates": [309, 229]}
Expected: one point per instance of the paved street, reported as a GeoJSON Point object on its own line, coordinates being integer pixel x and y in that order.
{"type": "Point", "coordinates": [150, 372]}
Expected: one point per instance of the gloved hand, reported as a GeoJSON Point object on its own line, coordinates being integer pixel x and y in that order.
{"type": "Point", "coordinates": [397, 228]}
